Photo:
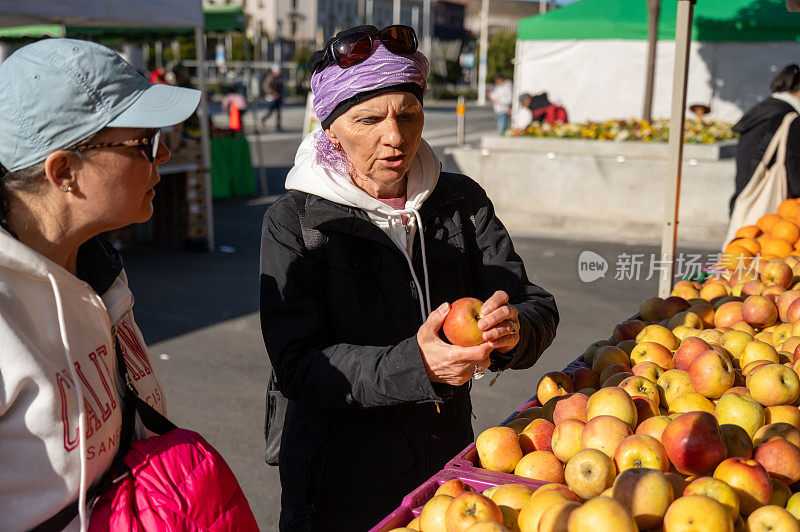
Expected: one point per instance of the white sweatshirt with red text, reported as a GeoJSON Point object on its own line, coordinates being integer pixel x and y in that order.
{"type": "Point", "coordinates": [60, 410]}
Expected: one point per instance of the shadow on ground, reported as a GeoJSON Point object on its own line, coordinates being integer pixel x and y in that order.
{"type": "Point", "coordinates": [185, 290]}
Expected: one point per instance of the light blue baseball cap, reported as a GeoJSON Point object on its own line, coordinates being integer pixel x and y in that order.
{"type": "Point", "coordinates": [55, 93]}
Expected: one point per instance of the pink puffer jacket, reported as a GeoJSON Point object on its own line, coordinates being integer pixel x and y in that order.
{"type": "Point", "coordinates": [178, 483]}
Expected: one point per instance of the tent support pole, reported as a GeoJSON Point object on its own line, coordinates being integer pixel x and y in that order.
{"type": "Point", "coordinates": [484, 47]}
{"type": "Point", "coordinates": [205, 134]}
{"type": "Point", "coordinates": [683, 37]}
{"type": "Point", "coordinates": [653, 14]}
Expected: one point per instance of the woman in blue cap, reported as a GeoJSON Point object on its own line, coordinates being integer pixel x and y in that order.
{"type": "Point", "coordinates": [80, 151]}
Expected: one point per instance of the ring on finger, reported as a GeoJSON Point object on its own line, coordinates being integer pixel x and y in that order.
{"type": "Point", "coordinates": [514, 327]}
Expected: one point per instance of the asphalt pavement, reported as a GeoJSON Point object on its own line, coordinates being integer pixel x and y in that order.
{"type": "Point", "coordinates": [199, 312]}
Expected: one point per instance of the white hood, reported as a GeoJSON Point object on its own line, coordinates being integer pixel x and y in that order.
{"type": "Point", "coordinates": [309, 176]}
{"type": "Point", "coordinates": [60, 408]}
{"type": "Point", "coordinates": [788, 98]}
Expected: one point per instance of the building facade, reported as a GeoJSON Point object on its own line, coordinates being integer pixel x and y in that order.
{"type": "Point", "coordinates": [504, 15]}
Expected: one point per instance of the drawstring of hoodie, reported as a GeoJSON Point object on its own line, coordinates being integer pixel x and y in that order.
{"type": "Point", "coordinates": [424, 300]}
{"type": "Point", "coordinates": [62, 326]}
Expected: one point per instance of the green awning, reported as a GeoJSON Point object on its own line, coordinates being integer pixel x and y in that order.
{"type": "Point", "coordinates": [218, 19]}
{"type": "Point", "coordinates": [714, 20]}
{"type": "Point", "coordinates": [221, 19]}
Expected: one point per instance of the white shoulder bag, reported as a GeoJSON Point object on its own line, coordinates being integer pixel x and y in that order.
{"type": "Point", "coordinates": [767, 187]}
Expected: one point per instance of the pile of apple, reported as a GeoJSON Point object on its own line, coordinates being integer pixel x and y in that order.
{"type": "Point", "coordinates": [686, 418]}
{"type": "Point", "coordinates": [775, 235]}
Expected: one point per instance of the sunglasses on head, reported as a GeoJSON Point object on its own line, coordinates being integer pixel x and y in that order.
{"type": "Point", "coordinates": [148, 144]}
{"type": "Point", "coordinates": [357, 47]}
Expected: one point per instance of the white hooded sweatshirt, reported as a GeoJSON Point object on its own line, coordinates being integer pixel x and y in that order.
{"type": "Point", "coordinates": [307, 175]}
{"type": "Point", "coordinates": [60, 409]}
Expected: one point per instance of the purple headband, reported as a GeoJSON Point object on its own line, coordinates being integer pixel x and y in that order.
{"type": "Point", "coordinates": [333, 85]}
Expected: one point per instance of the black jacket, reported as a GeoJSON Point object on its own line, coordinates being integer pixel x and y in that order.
{"type": "Point", "coordinates": [757, 127]}
{"type": "Point", "coordinates": [364, 425]}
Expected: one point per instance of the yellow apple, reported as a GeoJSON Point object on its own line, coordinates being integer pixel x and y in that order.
{"type": "Point", "coordinates": [566, 439]}
{"type": "Point", "coordinates": [553, 384]}
{"type": "Point", "coordinates": [774, 384]}
{"type": "Point", "coordinates": [512, 495]}
{"type": "Point", "coordinates": [742, 410]}
{"type": "Point", "coordinates": [612, 402]}
{"type": "Point", "coordinates": [605, 433]}
{"type": "Point", "coordinates": [589, 472]}
{"type": "Point", "coordinates": [433, 515]}
{"type": "Point", "coordinates": [498, 449]}
{"type": "Point", "coordinates": [673, 384]}
{"type": "Point", "coordinates": [658, 334]}
{"type": "Point", "coordinates": [691, 402]}
{"type": "Point", "coordinates": [540, 465]}
{"type": "Point", "coordinates": [555, 518]}
{"type": "Point", "coordinates": [695, 513]}
{"type": "Point", "coordinates": [539, 502]}
{"type": "Point", "coordinates": [601, 513]}
{"type": "Point", "coordinates": [771, 519]}
{"type": "Point", "coordinates": [641, 450]}
{"type": "Point", "coordinates": [756, 350]}
{"type": "Point", "coordinates": [717, 490]}
{"type": "Point", "coordinates": [646, 493]}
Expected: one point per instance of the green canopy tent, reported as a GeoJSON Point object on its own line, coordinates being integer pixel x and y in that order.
{"type": "Point", "coordinates": [591, 55]}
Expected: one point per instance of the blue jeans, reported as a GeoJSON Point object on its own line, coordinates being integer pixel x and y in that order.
{"type": "Point", "coordinates": [503, 121]}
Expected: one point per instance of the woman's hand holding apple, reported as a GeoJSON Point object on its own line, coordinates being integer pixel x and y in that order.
{"type": "Point", "coordinates": [446, 363]}
{"type": "Point", "coordinates": [499, 323]}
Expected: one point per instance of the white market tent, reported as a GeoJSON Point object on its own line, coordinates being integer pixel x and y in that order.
{"type": "Point", "coordinates": [121, 13]}
{"type": "Point", "coordinates": [591, 56]}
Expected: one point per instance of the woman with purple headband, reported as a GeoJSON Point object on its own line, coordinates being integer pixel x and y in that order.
{"type": "Point", "coordinates": [359, 262]}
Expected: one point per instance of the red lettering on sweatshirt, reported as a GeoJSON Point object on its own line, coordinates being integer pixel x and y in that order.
{"type": "Point", "coordinates": [91, 403]}
{"type": "Point", "coordinates": [64, 384]}
{"type": "Point", "coordinates": [98, 358]}
{"type": "Point", "coordinates": [134, 353]}
{"type": "Point", "coordinates": [109, 444]}
{"type": "Point", "coordinates": [103, 406]}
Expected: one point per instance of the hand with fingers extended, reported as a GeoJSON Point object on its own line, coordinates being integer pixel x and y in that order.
{"type": "Point", "coordinates": [446, 363]}
{"type": "Point", "coordinates": [499, 323]}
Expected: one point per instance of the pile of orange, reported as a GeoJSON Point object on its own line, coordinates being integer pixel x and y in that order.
{"type": "Point", "coordinates": [774, 236]}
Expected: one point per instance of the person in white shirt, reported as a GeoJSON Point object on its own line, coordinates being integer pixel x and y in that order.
{"type": "Point", "coordinates": [79, 154]}
{"type": "Point", "coordinates": [502, 97]}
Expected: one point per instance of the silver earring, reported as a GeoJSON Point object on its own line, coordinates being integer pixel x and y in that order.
{"type": "Point", "coordinates": [67, 188]}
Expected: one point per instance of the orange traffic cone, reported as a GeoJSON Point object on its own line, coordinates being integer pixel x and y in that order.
{"type": "Point", "coordinates": [234, 118]}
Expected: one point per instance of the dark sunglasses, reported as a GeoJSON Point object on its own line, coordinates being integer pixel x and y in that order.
{"type": "Point", "coordinates": [357, 47]}
{"type": "Point", "coordinates": [149, 145]}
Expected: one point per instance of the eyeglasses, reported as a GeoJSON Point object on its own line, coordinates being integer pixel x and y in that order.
{"type": "Point", "coordinates": [357, 47]}
{"type": "Point", "coordinates": [152, 143]}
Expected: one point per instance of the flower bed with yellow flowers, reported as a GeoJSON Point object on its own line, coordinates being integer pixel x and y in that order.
{"type": "Point", "coordinates": [697, 131]}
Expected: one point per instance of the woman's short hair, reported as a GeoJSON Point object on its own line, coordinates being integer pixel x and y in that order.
{"type": "Point", "coordinates": [787, 80]}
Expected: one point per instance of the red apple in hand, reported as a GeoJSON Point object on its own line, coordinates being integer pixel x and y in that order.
{"type": "Point", "coordinates": [461, 323]}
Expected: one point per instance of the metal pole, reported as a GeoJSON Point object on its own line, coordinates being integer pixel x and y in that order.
{"type": "Point", "coordinates": [159, 51]}
{"type": "Point", "coordinates": [460, 112]}
{"type": "Point", "coordinates": [396, 12]}
{"type": "Point", "coordinates": [252, 104]}
{"type": "Point", "coordinates": [484, 48]}
{"type": "Point", "coordinates": [426, 28]}
{"type": "Point", "coordinates": [653, 13]}
{"type": "Point", "coordinates": [669, 236]}
{"type": "Point", "coordinates": [205, 133]}
{"type": "Point", "coordinates": [370, 9]}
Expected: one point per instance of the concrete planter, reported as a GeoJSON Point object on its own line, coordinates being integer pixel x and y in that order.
{"type": "Point", "coordinates": [601, 189]}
